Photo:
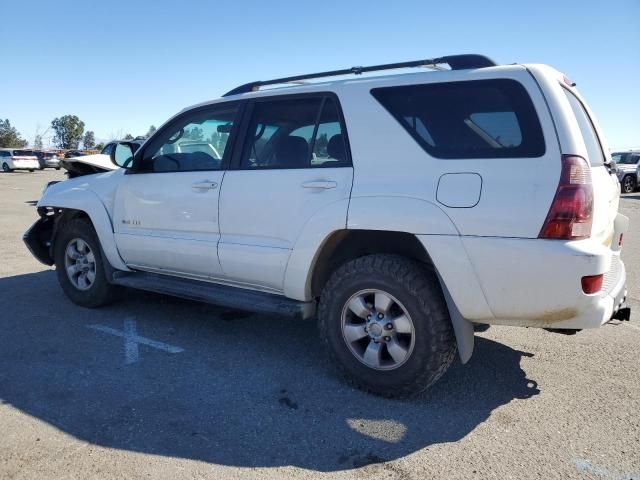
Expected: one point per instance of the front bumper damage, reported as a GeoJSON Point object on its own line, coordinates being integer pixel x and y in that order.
{"type": "Point", "coordinates": [39, 239]}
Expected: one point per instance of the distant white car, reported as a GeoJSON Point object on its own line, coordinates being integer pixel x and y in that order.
{"type": "Point", "coordinates": [18, 159]}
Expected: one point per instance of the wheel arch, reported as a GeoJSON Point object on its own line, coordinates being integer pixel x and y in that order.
{"type": "Point", "coordinates": [345, 245]}
{"type": "Point", "coordinates": [74, 203]}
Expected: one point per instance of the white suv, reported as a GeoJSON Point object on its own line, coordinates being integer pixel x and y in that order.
{"type": "Point", "coordinates": [18, 159]}
{"type": "Point", "coordinates": [401, 209]}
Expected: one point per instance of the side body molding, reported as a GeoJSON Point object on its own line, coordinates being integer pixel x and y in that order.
{"type": "Point", "coordinates": [86, 200]}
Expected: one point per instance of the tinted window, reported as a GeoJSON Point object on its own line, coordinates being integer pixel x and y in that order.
{"type": "Point", "coordinates": [625, 158]}
{"type": "Point", "coordinates": [294, 133]}
{"type": "Point", "coordinates": [107, 149]}
{"type": "Point", "coordinates": [591, 141]}
{"type": "Point", "coordinates": [474, 119]}
{"type": "Point", "coordinates": [23, 153]}
{"type": "Point", "coordinates": [195, 142]}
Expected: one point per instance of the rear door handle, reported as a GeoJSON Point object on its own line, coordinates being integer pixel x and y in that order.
{"type": "Point", "coordinates": [206, 185]}
{"type": "Point", "coordinates": [320, 184]}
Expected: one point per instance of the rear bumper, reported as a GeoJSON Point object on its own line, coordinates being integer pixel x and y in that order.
{"type": "Point", "coordinates": [533, 282]}
{"type": "Point", "coordinates": [26, 165]}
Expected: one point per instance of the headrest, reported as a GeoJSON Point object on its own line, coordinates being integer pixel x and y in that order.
{"type": "Point", "coordinates": [292, 152]}
{"type": "Point", "coordinates": [336, 149]}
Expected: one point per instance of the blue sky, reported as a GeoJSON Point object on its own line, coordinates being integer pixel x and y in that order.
{"type": "Point", "coordinates": [124, 65]}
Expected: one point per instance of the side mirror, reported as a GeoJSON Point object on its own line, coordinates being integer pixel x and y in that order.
{"type": "Point", "coordinates": [122, 155]}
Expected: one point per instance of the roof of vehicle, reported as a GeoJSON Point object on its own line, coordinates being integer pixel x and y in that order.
{"type": "Point", "coordinates": [456, 62]}
{"type": "Point", "coordinates": [331, 85]}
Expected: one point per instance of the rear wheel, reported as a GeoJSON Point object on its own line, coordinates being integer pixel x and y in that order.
{"type": "Point", "coordinates": [31, 170]}
{"type": "Point", "coordinates": [628, 184]}
{"type": "Point", "coordinates": [80, 266]}
{"type": "Point", "coordinates": [5, 168]}
{"type": "Point", "coordinates": [385, 323]}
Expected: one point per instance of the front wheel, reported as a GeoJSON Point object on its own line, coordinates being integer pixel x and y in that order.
{"type": "Point", "coordinates": [5, 168]}
{"type": "Point", "coordinates": [385, 323]}
{"type": "Point", "coordinates": [628, 184]}
{"type": "Point", "coordinates": [80, 266]}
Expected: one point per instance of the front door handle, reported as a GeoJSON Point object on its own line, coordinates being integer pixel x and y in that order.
{"type": "Point", "coordinates": [320, 184]}
{"type": "Point", "coordinates": [206, 185]}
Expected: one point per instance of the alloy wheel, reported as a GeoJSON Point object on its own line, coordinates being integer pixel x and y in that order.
{"type": "Point", "coordinates": [377, 329]}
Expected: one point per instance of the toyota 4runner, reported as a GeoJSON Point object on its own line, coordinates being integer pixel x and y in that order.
{"type": "Point", "coordinates": [398, 210]}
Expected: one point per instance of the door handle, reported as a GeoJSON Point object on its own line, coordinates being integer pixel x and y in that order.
{"type": "Point", "coordinates": [320, 184]}
{"type": "Point", "coordinates": [206, 185]}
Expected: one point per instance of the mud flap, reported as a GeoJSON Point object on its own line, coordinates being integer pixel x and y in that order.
{"type": "Point", "coordinates": [462, 328]}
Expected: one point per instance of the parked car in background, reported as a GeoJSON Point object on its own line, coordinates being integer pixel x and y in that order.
{"type": "Point", "coordinates": [47, 159]}
{"type": "Point", "coordinates": [401, 209]}
{"type": "Point", "coordinates": [628, 164]}
{"type": "Point", "coordinates": [74, 153]}
{"type": "Point", "coordinates": [90, 164]}
{"type": "Point", "coordinates": [18, 159]}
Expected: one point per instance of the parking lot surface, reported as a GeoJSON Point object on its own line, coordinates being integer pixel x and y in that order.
{"type": "Point", "coordinates": [157, 387]}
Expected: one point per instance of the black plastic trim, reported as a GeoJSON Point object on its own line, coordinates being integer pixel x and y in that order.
{"type": "Point", "coordinates": [217, 294]}
{"type": "Point", "coordinates": [456, 62]}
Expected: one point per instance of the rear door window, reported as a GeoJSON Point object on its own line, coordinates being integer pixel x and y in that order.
{"type": "Point", "coordinates": [473, 119]}
{"type": "Point", "coordinates": [589, 135]}
{"type": "Point", "coordinates": [291, 133]}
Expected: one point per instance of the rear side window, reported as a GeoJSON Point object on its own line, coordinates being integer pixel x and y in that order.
{"type": "Point", "coordinates": [473, 119]}
{"type": "Point", "coordinates": [591, 141]}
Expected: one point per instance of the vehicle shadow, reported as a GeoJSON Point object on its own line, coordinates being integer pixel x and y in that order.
{"type": "Point", "coordinates": [246, 391]}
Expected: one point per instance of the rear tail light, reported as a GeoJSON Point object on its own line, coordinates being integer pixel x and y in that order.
{"type": "Point", "coordinates": [592, 283]}
{"type": "Point", "coordinates": [571, 212]}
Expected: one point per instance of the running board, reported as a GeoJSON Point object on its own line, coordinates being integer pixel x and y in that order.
{"type": "Point", "coordinates": [215, 293]}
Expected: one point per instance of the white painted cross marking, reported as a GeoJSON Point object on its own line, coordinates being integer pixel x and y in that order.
{"type": "Point", "coordinates": [132, 340]}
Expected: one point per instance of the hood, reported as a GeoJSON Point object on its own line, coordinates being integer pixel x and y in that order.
{"type": "Point", "coordinates": [87, 165]}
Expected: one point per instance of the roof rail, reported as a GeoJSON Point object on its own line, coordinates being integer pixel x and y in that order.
{"type": "Point", "coordinates": [456, 62]}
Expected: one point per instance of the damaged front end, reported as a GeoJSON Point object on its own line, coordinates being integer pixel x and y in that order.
{"type": "Point", "coordinates": [39, 237]}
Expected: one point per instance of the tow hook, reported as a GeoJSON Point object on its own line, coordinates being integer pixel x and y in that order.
{"type": "Point", "coordinates": [624, 314]}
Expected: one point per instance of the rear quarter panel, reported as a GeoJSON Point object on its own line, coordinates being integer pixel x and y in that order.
{"type": "Point", "coordinates": [516, 192]}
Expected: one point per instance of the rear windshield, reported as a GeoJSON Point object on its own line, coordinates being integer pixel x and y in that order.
{"type": "Point", "coordinates": [591, 141]}
{"type": "Point", "coordinates": [473, 119]}
{"type": "Point", "coordinates": [24, 153]}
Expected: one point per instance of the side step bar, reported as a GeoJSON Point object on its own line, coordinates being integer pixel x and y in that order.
{"type": "Point", "coordinates": [214, 293]}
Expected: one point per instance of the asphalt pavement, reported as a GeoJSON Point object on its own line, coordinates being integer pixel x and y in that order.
{"type": "Point", "coordinates": [157, 387]}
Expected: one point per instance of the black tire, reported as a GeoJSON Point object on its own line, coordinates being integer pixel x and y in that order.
{"type": "Point", "coordinates": [101, 292]}
{"type": "Point", "coordinates": [5, 168]}
{"type": "Point", "coordinates": [628, 184]}
{"type": "Point", "coordinates": [57, 168]}
{"type": "Point", "coordinates": [419, 291]}
{"type": "Point", "coordinates": [31, 170]}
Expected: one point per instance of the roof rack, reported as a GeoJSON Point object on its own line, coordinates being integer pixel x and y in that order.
{"type": "Point", "coordinates": [456, 62]}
